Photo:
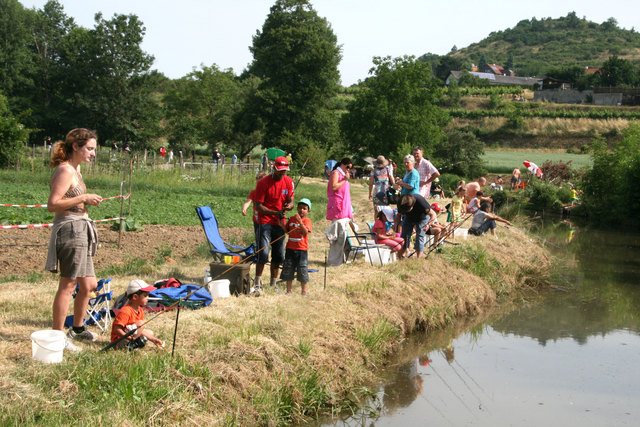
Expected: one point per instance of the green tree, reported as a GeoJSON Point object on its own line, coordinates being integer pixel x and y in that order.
{"type": "Point", "coordinates": [395, 110]}
{"type": "Point", "coordinates": [15, 56]}
{"type": "Point", "coordinates": [296, 56]}
{"type": "Point", "coordinates": [617, 168]}
{"type": "Point", "coordinates": [13, 135]}
{"type": "Point", "coordinates": [618, 72]}
{"type": "Point", "coordinates": [50, 27]}
{"type": "Point", "coordinates": [201, 107]}
{"type": "Point", "coordinates": [460, 153]}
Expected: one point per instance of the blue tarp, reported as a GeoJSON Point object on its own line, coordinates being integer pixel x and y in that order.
{"type": "Point", "coordinates": [182, 291]}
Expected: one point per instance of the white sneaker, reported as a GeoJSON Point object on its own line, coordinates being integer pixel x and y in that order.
{"type": "Point", "coordinates": [85, 335]}
{"type": "Point", "coordinates": [69, 346]}
{"type": "Point", "coordinates": [257, 291]}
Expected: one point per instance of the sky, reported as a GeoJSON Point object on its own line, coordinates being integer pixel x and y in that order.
{"type": "Point", "coordinates": [183, 35]}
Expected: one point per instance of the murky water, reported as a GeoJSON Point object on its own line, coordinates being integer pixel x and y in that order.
{"type": "Point", "coordinates": [571, 357]}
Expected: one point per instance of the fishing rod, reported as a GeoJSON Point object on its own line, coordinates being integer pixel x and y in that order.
{"type": "Point", "coordinates": [186, 297]}
{"type": "Point", "coordinates": [435, 246]}
{"type": "Point", "coordinates": [301, 169]}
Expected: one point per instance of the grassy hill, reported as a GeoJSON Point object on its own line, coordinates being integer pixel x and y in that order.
{"type": "Point", "coordinates": [536, 45]}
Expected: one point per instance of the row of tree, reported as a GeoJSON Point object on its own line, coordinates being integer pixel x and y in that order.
{"type": "Point", "coordinates": [56, 75]}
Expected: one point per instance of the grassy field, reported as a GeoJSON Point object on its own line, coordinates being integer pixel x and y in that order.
{"type": "Point", "coordinates": [506, 160]}
{"type": "Point", "coordinates": [159, 196]}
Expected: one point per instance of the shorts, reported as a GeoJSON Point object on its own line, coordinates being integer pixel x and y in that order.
{"type": "Point", "coordinates": [270, 238]}
{"type": "Point", "coordinates": [296, 261]}
{"type": "Point", "coordinates": [73, 251]}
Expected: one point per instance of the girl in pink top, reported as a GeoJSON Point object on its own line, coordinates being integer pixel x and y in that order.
{"type": "Point", "coordinates": [338, 192]}
{"type": "Point", "coordinates": [384, 237]}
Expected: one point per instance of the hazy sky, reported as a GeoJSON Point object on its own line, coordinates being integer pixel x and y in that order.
{"type": "Point", "coordinates": [184, 34]}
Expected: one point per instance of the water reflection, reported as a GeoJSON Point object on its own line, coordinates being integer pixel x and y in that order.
{"type": "Point", "coordinates": [568, 358]}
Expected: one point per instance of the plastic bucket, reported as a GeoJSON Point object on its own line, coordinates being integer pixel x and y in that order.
{"type": "Point", "coordinates": [219, 288]}
{"type": "Point", "coordinates": [48, 345]}
{"type": "Point", "coordinates": [377, 256]}
{"type": "Point", "coordinates": [461, 232]}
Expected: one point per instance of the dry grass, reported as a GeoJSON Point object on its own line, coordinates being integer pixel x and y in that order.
{"type": "Point", "coordinates": [269, 360]}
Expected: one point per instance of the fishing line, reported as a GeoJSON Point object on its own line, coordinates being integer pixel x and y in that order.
{"type": "Point", "coordinates": [186, 297]}
{"type": "Point", "coordinates": [451, 390]}
{"type": "Point", "coordinates": [480, 406]}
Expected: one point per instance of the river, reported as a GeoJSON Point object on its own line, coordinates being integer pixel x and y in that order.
{"type": "Point", "coordinates": [569, 356]}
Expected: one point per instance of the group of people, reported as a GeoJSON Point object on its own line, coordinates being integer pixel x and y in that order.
{"type": "Point", "coordinates": [74, 237]}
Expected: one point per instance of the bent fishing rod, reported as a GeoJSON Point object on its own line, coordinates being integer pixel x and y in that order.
{"type": "Point", "coordinates": [186, 297]}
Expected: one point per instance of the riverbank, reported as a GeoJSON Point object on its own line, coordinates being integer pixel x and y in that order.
{"type": "Point", "coordinates": [269, 360]}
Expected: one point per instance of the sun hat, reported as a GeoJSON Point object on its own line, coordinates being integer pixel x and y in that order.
{"type": "Point", "coordinates": [139, 285]}
{"type": "Point", "coordinates": [306, 202]}
{"type": "Point", "coordinates": [406, 203]}
{"type": "Point", "coordinates": [281, 164]}
{"type": "Point", "coordinates": [381, 161]}
{"type": "Point", "coordinates": [436, 207]}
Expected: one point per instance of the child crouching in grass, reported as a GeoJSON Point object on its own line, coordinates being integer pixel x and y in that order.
{"type": "Point", "coordinates": [296, 257]}
{"type": "Point", "coordinates": [131, 316]}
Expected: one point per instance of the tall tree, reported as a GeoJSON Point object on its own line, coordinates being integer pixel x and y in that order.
{"type": "Point", "coordinates": [395, 110]}
{"type": "Point", "coordinates": [15, 57]}
{"type": "Point", "coordinates": [296, 56]}
{"type": "Point", "coordinates": [618, 72]}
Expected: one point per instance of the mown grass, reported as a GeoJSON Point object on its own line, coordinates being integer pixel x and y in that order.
{"type": "Point", "coordinates": [505, 161]}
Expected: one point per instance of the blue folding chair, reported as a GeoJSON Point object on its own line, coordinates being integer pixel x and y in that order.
{"type": "Point", "coordinates": [218, 247]}
{"type": "Point", "coordinates": [99, 307]}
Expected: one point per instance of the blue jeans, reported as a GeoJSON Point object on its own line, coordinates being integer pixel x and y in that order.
{"type": "Point", "coordinates": [270, 236]}
{"type": "Point", "coordinates": [484, 227]}
{"type": "Point", "coordinates": [407, 231]}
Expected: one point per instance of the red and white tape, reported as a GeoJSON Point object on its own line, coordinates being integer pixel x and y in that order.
{"type": "Point", "coordinates": [126, 196]}
{"type": "Point", "coordinates": [4, 227]}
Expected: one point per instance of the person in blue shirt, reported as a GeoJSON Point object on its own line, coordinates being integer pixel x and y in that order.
{"type": "Point", "coordinates": [410, 184]}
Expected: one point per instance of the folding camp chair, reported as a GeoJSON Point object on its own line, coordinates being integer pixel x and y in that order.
{"type": "Point", "coordinates": [99, 307]}
{"type": "Point", "coordinates": [364, 243]}
{"type": "Point", "coordinates": [218, 248]}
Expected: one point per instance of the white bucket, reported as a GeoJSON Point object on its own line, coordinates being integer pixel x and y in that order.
{"type": "Point", "coordinates": [48, 345]}
{"type": "Point", "coordinates": [219, 288]}
{"type": "Point", "coordinates": [377, 256]}
{"type": "Point", "coordinates": [461, 232]}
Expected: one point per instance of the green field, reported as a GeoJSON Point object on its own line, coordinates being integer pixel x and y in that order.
{"type": "Point", "coordinates": [159, 197]}
{"type": "Point", "coordinates": [506, 161]}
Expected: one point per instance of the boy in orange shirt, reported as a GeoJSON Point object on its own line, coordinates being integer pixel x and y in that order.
{"type": "Point", "coordinates": [296, 257]}
{"type": "Point", "coordinates": [131, 316]}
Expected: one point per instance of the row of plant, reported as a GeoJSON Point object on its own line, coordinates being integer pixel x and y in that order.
{"type": "Point", "coordinates": [486, 91]}
{"type": "Point", "coordinates": [565, 113]}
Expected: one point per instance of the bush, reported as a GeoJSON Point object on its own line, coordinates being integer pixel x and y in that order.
{"type": "Point", "coordinates": [543, 195]}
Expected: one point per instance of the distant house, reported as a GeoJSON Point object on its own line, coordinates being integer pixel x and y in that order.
{"type": "Point", "coordinates": [495, 69]}
{"type": "Point", "coordinates": [589, 70]}
{"type": "Point", "coordinates": [495, 79]}
{"type": "Point", "coordinates": [553, 83]}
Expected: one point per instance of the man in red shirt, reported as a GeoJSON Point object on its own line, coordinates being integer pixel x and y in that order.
{"type": "Point", "coordinates": [273, 196]}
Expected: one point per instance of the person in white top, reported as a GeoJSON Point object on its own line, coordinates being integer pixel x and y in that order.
{"type": "Point", "coordinates": [426, 170]}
